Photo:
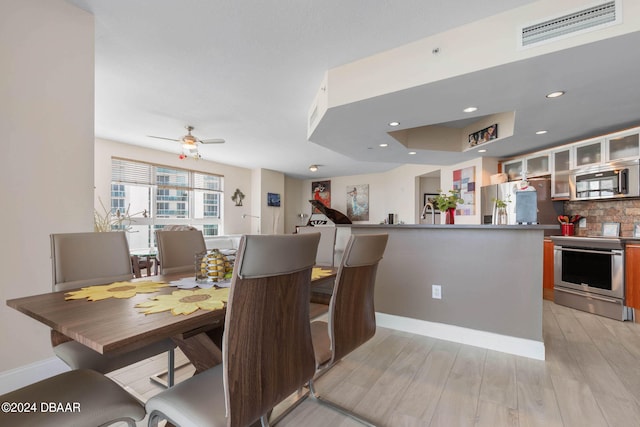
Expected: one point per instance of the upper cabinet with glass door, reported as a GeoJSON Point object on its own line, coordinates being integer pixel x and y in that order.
{"type": "Point", "coordinates": [561, 160]}
{"type": "Point", "coordinates": [589, 153]}
{"type": "Point", "coordinates": [537, 165]}
{"type": "Point", "coordinates": [622, 146]}
{"type": "Point", "coordinates": [514, 169]}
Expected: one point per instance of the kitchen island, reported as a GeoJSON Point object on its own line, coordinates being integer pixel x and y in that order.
{"type": "Point", "coordinates": [490, 277]}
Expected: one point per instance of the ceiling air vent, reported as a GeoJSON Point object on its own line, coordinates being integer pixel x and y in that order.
{"type": "Point", "coordinates": [594, 17]}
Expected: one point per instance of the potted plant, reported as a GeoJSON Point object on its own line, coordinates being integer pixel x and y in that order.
{"type": "Point", "coordinates": [447, 203]}
{"type": "Point", "coordinates": [501, 210]}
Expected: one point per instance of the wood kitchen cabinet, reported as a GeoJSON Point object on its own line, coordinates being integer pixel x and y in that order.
{"type": "Point", "coordinates": [632, 275]}
{"type": "Point", "coordinates": [547, 269]}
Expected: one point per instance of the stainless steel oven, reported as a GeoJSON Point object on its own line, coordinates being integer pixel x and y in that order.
{"type": "Point", "coordinates": [589, 275]}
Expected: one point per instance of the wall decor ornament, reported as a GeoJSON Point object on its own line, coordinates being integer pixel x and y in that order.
{"type": "Point", "coordinates": [464, 182]}
{"type": "Point", "coordinates": [237, 197]}
{"type": "Point", "coordinates": [485, 135]}
{"type": "Point", "coordinates": [273, 199]}
{"type": "Point", "coordinates": [358, 202]}
{"type": "Point", "coordinates": [321, 190]}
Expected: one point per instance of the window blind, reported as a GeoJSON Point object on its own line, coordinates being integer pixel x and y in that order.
{"type": "Point", "coordinates": [140, 173]}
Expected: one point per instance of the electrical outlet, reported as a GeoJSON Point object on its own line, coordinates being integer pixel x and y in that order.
{"type": "Point", "coordinates": [436, 291]}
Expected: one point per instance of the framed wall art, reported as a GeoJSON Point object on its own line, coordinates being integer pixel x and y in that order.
{"type": "Point", "coordinates": [430, 198]}
{"type": "Point", "coordinates": [273, 199]}
{"type": "Point", "coordinates": [485, 135]}
{"type": "Point", "coordinates": [321, 190]}
{"type": "Point", "coordinates": [464, 181]}
{"type": "Point", "coordinates": [358, 202]}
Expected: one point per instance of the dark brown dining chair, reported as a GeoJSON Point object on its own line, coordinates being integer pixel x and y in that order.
{"type": "Point", "coordinates": [88, 398]}
{"type": "Point", "coordinates": [267, 351]}
{"type": "Point", "coordinates": [352, 317]}
{"type": "Point", "coordinates": [177, 250]}
{"type": "Point", "coordinates": [87, 259]}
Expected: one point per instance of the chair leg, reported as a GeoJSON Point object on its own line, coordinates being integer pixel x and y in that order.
{"type": "Point", "coordinates": [264, 421]}
{"type": "Point", "coordinates": [342, 410]}
{"type": "Point", "coordinates": [171, 368]}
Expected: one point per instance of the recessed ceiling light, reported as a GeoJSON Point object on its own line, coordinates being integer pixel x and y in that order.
{"type": "Point", "coordinates": [384, 145]}
{"type": "Point", "coordinates": [394, 124]}
{"type": "Point", "coordinates": [555, 94]}
{"type": "Point", "coordinates": [470, 109]}
{"type": "Point", "coordinates": [482, 151]}
{"type": "Point", "coordinates": [411, 153]}
{"type": "Point", "coordinates": [541, 132]}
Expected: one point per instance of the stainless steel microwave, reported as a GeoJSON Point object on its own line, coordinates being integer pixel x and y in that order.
{"type": "Point", "coordinates": [613, 180]}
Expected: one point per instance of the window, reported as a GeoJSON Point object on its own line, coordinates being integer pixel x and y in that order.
{"type": "Point", "coordinates": [157, 195]}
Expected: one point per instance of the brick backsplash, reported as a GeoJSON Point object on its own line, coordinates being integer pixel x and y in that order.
{"type": "Point", "coordinates": [626, 212]}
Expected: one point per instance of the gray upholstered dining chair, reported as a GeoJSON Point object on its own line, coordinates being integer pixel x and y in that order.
{"type": "Point", "coordinates": [177, 250]}
{"type": "Point", "coordinates": [320, 295]}
{"type": "Point", "coordinates": [88, 398]}
{"type": "Point", "coordinates": [267, 351]}
{"type": "Point", "coordinates": [327, 243]}
{"type": "Point", "coordinates": [87, 259]}
{"type": "Point", "coordinates": [352, 317]}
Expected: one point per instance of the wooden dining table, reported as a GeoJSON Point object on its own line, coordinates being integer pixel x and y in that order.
{"type": "Point", "coordinates": [116, 325]}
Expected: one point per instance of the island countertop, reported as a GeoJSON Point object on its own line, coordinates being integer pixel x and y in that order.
{"type": "Point", "coordinates": [456, 226]}
{"type": "Point", "coordinates": [489, 278]}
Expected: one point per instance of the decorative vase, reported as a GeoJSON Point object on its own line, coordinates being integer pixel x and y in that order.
{"type": "Point", "coordinates": [449, 217]}
{"type": "Point", "coordinates": [501, 216]}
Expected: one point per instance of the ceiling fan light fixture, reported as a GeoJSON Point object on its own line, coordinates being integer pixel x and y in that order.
{"type": "Point", "coordinates": [313, 168]}
{"type": "Point", "coordinates": [189, 139]}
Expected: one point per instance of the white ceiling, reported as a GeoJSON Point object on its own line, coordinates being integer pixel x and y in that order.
{"type": "Point", "coordinates": [247, 71]}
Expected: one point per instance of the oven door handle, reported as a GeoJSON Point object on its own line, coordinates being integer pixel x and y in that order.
{"type": "Point", "coordinates": [589, 251]}
{"type": "Point", "coordinates": [590, 295]}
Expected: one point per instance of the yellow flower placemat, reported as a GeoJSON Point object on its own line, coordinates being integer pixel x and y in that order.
{"type": "Point", "coordinates": [115, 290]}
{"type": "Point", "coordinates": [186, 301]}
{"type": "Point", "coordinates": [318, 273]}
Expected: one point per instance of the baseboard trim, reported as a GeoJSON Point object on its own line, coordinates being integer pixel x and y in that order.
{"type": "Point", "coordinates": [28, 374]}
{"type": "Point", "coordinates": [489, 340]}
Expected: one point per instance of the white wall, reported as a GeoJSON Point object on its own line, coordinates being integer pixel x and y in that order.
{"type": "Point", "coordinates": [398, 190]}
{"type": "Point", "coordinates": [234, 177]}
{"type": "Point", "coordinates": [293, 189]}
{"type": "Point", "coordinates": [271, 217]}
{"type": "Point", "coordinates": [46, 129]}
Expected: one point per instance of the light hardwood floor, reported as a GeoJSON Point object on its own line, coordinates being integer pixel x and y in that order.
{"type": "Point", "coordinates": [591, 377]}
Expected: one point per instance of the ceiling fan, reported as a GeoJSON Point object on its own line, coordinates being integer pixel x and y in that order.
{"type": "Point", "coordinates": [190, 142]}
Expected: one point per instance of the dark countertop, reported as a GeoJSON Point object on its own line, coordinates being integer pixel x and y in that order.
{"type": "Point", "coordinates": [454, 226]}
{"type": "Point", "coordinates": [624, 240]}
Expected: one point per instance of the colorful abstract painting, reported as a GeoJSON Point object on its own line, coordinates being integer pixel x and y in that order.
{"type": "Point", "coordinates": [464, 181]}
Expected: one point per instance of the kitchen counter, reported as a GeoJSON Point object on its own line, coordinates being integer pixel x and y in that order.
{"type": "Point", "coordinates": [455, 226]}
{"type": "Point", "coordinates": [490, 278]}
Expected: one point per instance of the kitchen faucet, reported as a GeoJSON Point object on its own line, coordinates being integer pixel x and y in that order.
{"type": "Point", "coordinates": [429, 205]}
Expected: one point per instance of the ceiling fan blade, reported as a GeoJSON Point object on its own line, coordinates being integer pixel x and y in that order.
{"type": "Point", "coordinates": [212, 141]}
{"type": "Point", "coordinates": [162, 137]}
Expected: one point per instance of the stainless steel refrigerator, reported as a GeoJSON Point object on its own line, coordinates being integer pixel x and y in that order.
{"type": "Point", "coordinates": [547, 209]}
